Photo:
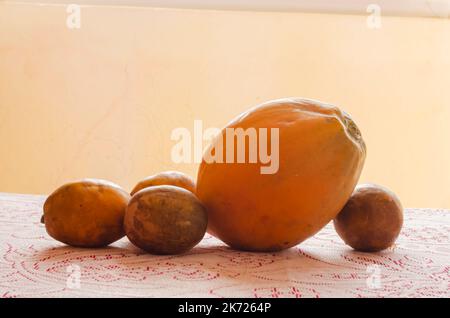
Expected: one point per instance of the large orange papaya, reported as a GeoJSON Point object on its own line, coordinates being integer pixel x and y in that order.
{"type": "Point", "coordinates": [270, 206]}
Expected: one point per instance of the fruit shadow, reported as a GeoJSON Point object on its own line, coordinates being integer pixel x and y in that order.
{"type": "Point", "coordinates": [220, 262]}
{"type": "Point", "coordinates": [211, 262]}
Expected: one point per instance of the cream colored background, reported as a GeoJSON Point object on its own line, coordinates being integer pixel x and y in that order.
{"type": "Point", "coordinates": [102, 101]}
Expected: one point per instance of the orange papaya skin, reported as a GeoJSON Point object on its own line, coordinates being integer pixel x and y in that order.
{"type": "Point", "coordinates": [321, 155]}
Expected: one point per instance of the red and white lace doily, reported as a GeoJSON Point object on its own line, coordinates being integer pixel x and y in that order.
{"type": "Point", "coordinates": [34, 265]}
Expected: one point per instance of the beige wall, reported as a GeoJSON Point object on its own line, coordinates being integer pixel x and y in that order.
{"type": "Point", "coordinates": [102, 101]}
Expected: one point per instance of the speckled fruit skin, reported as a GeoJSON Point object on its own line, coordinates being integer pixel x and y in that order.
{"type": "Point", "coordinates": [371, 220]}
{"type": "Point", "coordinates": [86, 213]}
{"type": "Point", "coordinates": [174, 178]}
{"type": "Point", "coordinates": [321, 155]}
{"type": "Point", "coordinates": [165, 220]}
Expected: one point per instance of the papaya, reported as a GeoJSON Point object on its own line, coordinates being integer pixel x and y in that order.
{"type": "Point", "coordinates": [320, 153]}
{"type": "Point", "coordinates": [86, 213]}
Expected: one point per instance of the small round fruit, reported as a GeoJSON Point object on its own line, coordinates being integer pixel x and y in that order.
{"type": "Point", "coordinates": [86, 213]}
{"type": "Point", "coordinates": [371, 220]}
{"type": "Point", "coordinates": [173, 178]}
{"type": "Point", "coordinates": [165, 220]}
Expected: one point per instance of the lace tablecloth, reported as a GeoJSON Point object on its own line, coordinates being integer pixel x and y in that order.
{"type": "Point", "coordinates": [34, 265]}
